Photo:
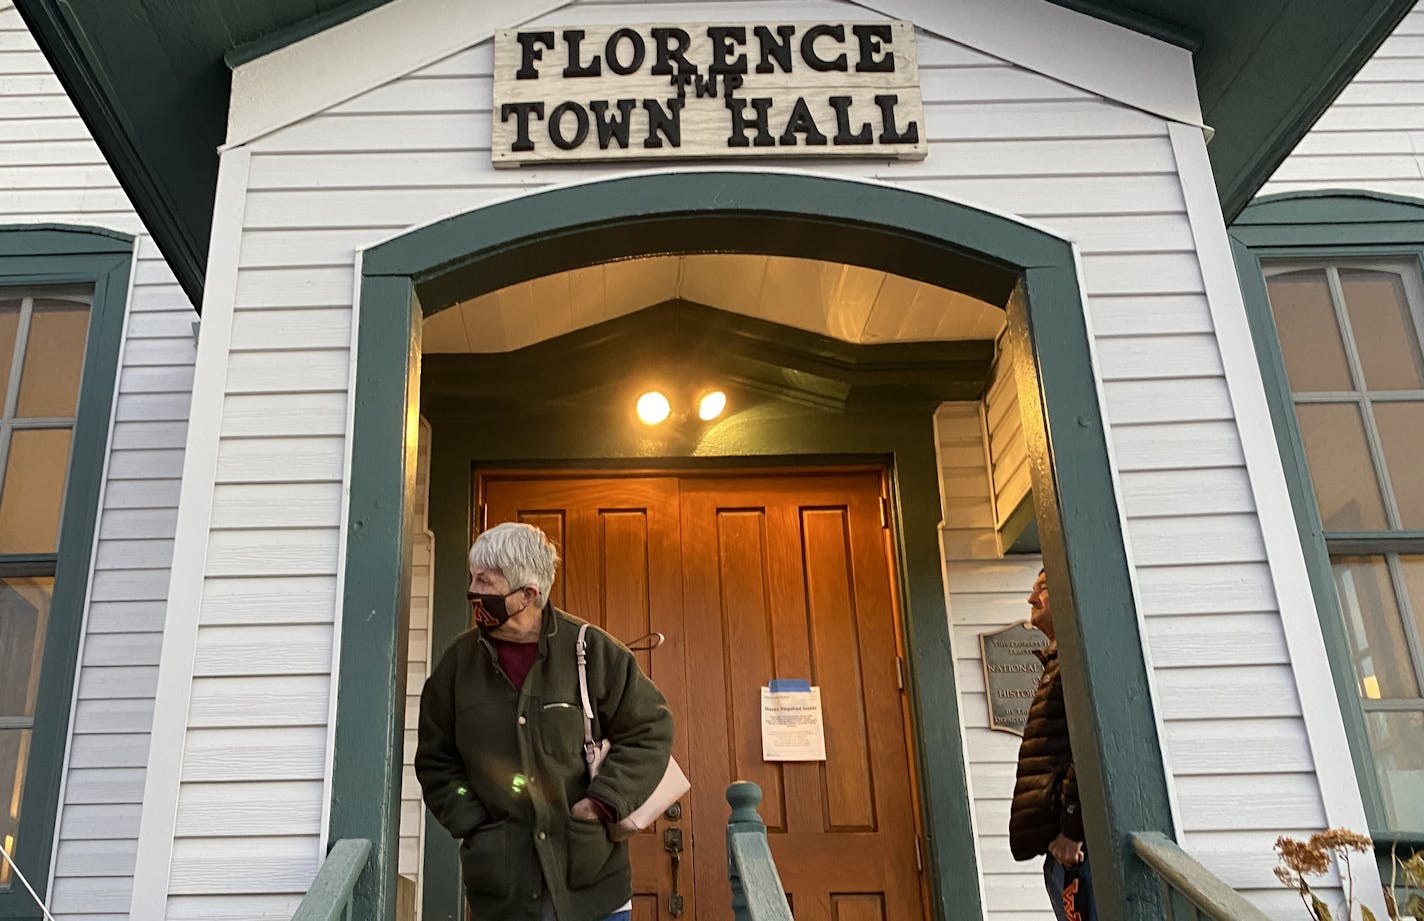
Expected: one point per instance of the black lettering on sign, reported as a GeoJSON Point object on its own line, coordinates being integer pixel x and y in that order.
{"type": "Point", "coordinates": [521, 112]}
{"type": "Point", "coordinates": [911, 134]}
{"type": "Point", "coordinates": [870, 36]}
{"type": "Point", "coordinates": [843, 134]}
{"type": "Point", "coordinates": [556, 125]}
{"type": "Point", "coordinates": [667, 122]}
{"type": "Point", "coordinates": [814, 60]}
{"type": "Point", "coordinates": [529, 52]}
{"type": "Point", "coordinates": [612, 129]}
{"type": "Point", "coordinates": [573, 38]}
{"type": "Point", "coordinates": [802, 123]}
{"type": "Point", "coordinates": [725, 40]}
{"type": "Point", "coordinates": [740, 122]}
{"type": "Point", "coordinates": [774, 49]}
{"type": "Point", "coordinates": [610, 52]}
{"type": "Point", "coordinates": [672, 45]}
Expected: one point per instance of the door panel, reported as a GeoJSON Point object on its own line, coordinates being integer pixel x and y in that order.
{"type": "Point", "coordinates": [752, 578]}
{"type": "Point", "coordinates": [789, 578]}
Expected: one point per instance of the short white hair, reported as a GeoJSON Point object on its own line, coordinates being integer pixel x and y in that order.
{"type": "Point", "coordinates": [522, 553]}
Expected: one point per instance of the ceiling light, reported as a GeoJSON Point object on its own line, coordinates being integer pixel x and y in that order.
{"type": "Point", "coordinates": [653, 407]}
{"type": "Point", "coordinates": [711, 405]}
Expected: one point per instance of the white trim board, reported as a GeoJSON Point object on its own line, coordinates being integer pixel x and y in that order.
{"type": "Point", "coordinates": [309, 76]}
{"type": "Point", "coordinates": [1320, 709]}
{"type": "Point", "coordinates": [185, 586]}
{"type": "Point", "coordinates": [1110, 60]}
{"type": "Point", "coordinates": [298, 80]}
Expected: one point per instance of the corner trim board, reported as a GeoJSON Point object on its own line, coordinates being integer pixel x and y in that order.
{"type": "Point", "coordinates": [1320, 710]}
{"type": "Point", "coordinates": [185, 588]}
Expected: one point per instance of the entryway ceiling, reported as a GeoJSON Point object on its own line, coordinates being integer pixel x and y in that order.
{"type": "Point", "coordinates": [850, 303]}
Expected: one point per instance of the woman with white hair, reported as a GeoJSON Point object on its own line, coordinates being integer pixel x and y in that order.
{"type": "Point", "coordinates": [501, 757]}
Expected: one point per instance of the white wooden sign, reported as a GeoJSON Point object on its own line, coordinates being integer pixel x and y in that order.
{"type": "Point", "coordinates": [807, 89]}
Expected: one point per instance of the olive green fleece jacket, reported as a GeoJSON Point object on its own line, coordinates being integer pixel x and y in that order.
{"type": "Point", "coordinates": [500, 768]}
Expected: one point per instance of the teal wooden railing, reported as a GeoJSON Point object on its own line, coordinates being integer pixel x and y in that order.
{"type": "Point", "coordinates": [756, 888]}
{"type": "Point", "coordinates": [1189, 891]}
{"type": "Point", "coordinates": [329, 898]}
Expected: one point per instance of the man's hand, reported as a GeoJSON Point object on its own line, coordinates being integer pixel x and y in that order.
{"type": "Point", "coordinates": [1066, 851]}
{"type": "Point", "coordinates": [585, 811]}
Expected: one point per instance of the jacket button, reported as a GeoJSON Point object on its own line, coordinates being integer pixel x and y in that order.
{"type": "Point", "coordinates": [522, 721]}
{"type": "Point", "coordinates": [543, 835]}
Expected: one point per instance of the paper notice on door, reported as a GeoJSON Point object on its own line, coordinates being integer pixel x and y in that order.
{"type": "Point", "coordinates": [792, 727]}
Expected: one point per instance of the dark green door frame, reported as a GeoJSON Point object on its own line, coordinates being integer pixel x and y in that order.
{"type": "Point", "coordinates": [915, 235]}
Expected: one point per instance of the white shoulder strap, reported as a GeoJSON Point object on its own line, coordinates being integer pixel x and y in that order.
{"type": "Point", "coordinates": [589, 746]}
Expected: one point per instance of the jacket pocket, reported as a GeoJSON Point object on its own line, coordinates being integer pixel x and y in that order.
{"type": "Point", "coordinates": [484, 856]}
{"type": "Point", "coordinates": [590, 853]}
{"type": "Point", "coordinates": [561, 730]}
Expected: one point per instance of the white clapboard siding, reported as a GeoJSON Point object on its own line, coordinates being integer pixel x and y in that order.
{"type": "Point", "coordinates": [51, 171]}
{"type": "Point", "coordinates": [1369, 137]}
{"type": "Point", "coordinates": [1101, 173]}
{"type": "Point", "coordinates": [986, 592]}
{"type": "Point", "coordinates": [412, 821]}
{"type": "Point", "coordinates": [1008, 452]}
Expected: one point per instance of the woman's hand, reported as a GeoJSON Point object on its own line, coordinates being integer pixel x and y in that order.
{"type": "Point", "coordinates": [585, 811]}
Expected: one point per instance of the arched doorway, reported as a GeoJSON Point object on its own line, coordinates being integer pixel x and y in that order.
{"type": "Point", "coordinates": [1030, 273]}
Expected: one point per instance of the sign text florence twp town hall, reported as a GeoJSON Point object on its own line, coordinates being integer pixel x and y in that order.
{"type": "Point", "coordinates": [644, 92]}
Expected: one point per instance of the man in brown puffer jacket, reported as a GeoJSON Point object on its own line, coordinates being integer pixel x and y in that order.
{"type": "Point", "coordinates": [1046, 816]}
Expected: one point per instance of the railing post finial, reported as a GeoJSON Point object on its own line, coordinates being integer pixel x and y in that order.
{"type": "Point", "coordinates": [744, 797]}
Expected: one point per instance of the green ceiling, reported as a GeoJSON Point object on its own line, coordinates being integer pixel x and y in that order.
{"type": "Point", "coordinates": [149, 78]}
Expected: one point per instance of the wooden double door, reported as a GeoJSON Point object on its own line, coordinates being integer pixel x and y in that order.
{"type": "Point", "coordinates": [751, 578]}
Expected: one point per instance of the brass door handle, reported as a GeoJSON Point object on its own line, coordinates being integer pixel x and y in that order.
{"type": "Point", "coordinates": [672, 843]}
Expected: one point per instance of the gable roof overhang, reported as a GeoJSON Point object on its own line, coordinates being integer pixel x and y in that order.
{"type": "Point", "coordinates": [151, 81]}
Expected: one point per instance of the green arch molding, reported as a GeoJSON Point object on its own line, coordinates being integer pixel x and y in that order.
{"type": "Point", "coordinates": [930, 239]}
{"type": "Point", "coordinates": [1323, 224]}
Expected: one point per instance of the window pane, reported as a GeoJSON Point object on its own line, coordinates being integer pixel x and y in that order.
{"type": "Point", "coordinates": [54, 359]}
{"type": "Point", "coordinates": [1383, 329]}
{"type": "Point", "coordinates": [14, 752]}
{"type": "Point", "coordinates": [33, 490]}
{"type": "Point", "coordinates": [1401, 430]}
{"type": "Point", "coordinates": [1339, 460]}
{"type": "Point", "coordinates": [24, 614]}
{"type": "Point", "coordinates": [1377, 643]}
{"type": "Point", "coordinates": [9, 325]}
{"type": "Point", "coordinates": [1396, 740]}
{"type": "Point", "coordinates": [1310, 336]}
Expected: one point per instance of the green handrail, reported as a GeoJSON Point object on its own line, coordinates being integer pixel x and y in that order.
{"type": "Point", "coordinates": [756, 887]}
{"type": "Point", "coordinates": [329, 898]}
{"type": "Point", "coordinates": [1190, 892]}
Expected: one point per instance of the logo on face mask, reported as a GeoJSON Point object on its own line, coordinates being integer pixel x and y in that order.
{"type": "Point", "coordinates": [491, 611]}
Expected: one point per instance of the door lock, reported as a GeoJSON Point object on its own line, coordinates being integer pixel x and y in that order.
{"type": "Point", "coordinates": [674, 812]}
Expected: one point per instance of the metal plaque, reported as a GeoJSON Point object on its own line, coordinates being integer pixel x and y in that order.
{"type": "Point", "coordinates": [1011, 674]}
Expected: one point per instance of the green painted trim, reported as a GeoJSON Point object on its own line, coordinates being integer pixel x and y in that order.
{"type": "Point", "coordinates": [75, 261]}
{"type": "Point", "coordinates": [305, 28]}
{"type": "Point", "coordinates": [1151, 26]}
{"type": "Point", "coordinates": [150, 188]}
{"type": "Point", "coordinates": [1301, 225]}
{"type": "Point", "coordinates": [679, 344]}
{"type": "Point", "coordinates": [1307, 521]}
{"type": "Point", "coordinates": [1086, 560]}
{"type": "Point", "coordinates": [1242, 166]}
{"type": "Point", "coordinates": [912, 234]}
{"type": "Point", "coordinates": [368, 737]}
